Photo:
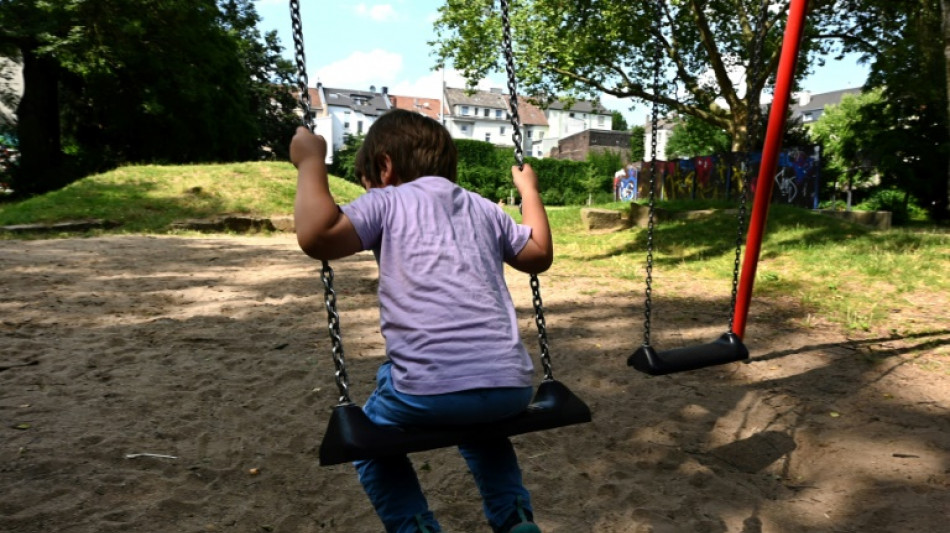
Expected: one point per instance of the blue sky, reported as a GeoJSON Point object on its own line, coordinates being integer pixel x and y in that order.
{"type": "Point", "coordinates": [385, 43]}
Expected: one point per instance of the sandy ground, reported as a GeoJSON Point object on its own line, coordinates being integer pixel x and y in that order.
{"type": "Point", "coordinates": [214, 352]}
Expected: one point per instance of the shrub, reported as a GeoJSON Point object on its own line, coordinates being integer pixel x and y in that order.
{"type": "Point", "coordinates": [901, 204]}
{"type": "Point", "coordinates": [344, 160]}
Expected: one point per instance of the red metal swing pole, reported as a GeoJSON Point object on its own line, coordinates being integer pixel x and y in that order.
{"type": "Point", "coordinates": [773, 143]}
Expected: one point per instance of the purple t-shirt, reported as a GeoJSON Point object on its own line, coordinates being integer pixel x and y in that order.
{"type": "Point", "coordinates": [445, 310]}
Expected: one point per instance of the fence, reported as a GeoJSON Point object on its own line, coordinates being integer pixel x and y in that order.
{"type": "Point", "coordinates": [723, 177]}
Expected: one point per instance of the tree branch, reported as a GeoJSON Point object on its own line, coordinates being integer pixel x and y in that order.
{"type": "Point", "coordinates": [727, 89]}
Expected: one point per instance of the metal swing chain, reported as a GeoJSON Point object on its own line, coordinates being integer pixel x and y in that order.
{"type": "Point", "coordinates": [512, 89]}
{"type": "Point", "coordinates": [752, 116]}
{"type": "Point", "coordinates": [519, 158]}
{"type": "Point", "coordinates": [654, 119]}
{"type": "Point", "coordinates": [326, 275]}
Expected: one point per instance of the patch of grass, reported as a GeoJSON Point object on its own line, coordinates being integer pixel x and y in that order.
{"type": "Point", "coordinates": [147, 199]}
{"type": "Point", "coordinates": [836, 270]}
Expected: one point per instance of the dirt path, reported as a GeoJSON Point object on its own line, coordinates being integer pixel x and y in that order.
{"type": "Point", "coordinates": [213, 352]}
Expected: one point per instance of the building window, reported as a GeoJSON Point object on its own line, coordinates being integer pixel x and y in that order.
{"type": "Point", "coordinates": [359, 127]}
{"type": "Point", "coordinates": [570, 115]}
{"type": "Point", "coordinates": [464, 128]}
{"type": "Point", "coordinates": [498, 113]}
{"type": "Point", "coordinates": [486, 112]}
{"type": "Point", "coordinates": [540, 134]}
{"type": "Point", "coordinates": [488, 136]}
{"type": "Point", "coordinates": [501, 130]}
{"type": "Point", "coordinates": [600, 120]}
{"type": "Point", "coordinates": [346, 126]}
{"type": "Point", "coordinates": [464, 109]}
{"type": "Point", "coordinates": [527, 133]}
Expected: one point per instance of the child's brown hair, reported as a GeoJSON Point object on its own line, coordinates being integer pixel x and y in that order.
{"type": "Point", "coordinates": [417, 146]}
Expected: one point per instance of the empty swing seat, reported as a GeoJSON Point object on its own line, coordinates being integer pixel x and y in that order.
{"type": "Point", "coordinates": [351, 435]}
{"type": "Point", "coordinates": [728, 348]}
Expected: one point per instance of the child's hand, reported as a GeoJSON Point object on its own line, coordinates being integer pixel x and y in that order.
{"type": "Point", "coordinates": [305, 145]}
{"type": "Point", "coordinates": [525, 179]}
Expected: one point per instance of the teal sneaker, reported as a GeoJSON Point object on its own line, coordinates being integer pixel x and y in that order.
{"type": "Point", "coordinates": [525, 527]}
{"type": "Point", "coordinates": [520, 521]}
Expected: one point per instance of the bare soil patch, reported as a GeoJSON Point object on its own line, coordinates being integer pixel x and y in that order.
{"type": "Point", "coordinates": [214, 353]}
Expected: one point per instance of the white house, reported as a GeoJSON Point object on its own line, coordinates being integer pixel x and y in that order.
{"type": "Point", "coordinates": [481, 115]}
{"type": "Point", "coordinates": [350, 111]}
{"type": "Point", "coordinates": [809, 107]}
{"type": "Point", "coordinates": [566, 119]}
{"type": "Point", "coordinates": [664, 128]}
{"type": "Point", "coordinates": [484, 116]}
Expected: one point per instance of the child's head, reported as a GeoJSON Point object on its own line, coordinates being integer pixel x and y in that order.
{"type": "Point", "coordinates": [415, 144]}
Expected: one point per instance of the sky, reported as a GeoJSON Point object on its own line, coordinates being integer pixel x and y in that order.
{"type": "Point", "coordinates": [384, 43]}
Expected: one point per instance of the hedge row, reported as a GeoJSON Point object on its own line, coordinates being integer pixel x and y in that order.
{"type": "Point", "coordinates": [486, 169]}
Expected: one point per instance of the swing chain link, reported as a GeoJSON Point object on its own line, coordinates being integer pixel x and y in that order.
{"type": "Point", "coordinates": [333, 317]}
{"type": "Point", "coordinates": [512, 84]}
{"type": "Point", "coordinates": [542, 329]}
{"type": "Point", "coordinates": [302, 82]}
{"type": "Point", "coordinates": [654, 119]}
{"type": "Point", "coordinates": [519, 159]}
{"type": "Point", "coordinates": [333, 325]}
{"type": "Point", "coordinates": [752, 132]}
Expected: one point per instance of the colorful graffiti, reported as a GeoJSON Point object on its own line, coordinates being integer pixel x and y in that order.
{"type": "Point", "coordinates": [724, 177]}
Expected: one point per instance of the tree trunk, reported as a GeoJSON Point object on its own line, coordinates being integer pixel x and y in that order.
{"type": "Point", "coordinates": [38, 127]}
{"type": "Point", "coordinates": [945, 26]}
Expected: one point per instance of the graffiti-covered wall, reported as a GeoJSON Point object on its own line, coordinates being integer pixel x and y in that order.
{"type": "Point", "coordinates": [723, 177]}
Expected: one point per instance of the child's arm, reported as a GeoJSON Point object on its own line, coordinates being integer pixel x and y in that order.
{"type": "Point", "coordinates": [538, 254]}
{"type": "Point", "coordinates": [323, 231]}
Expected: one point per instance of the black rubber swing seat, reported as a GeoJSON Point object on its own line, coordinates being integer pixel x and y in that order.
{"type": "Point", "coordinates": [728, 348]}
{"type": "Point", "coordinates": [351, 435]}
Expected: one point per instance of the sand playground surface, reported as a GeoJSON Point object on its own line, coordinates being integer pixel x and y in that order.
{"type": "Point", "coordinates": [178, 384]}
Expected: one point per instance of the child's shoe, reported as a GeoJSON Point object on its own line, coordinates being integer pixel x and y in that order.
{"type": "Point", "coordinates": [520, 521]}
{"type": "Point", "coordinates": [525, 527]}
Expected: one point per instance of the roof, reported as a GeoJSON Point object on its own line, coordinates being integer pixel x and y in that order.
{"type": "Point", "coordinates": [489, 99]}
{"type": "Point", "coordinates": [818, 101]}
{"type": "Point", "coordinates": [315, 101]}
{"type": "Point", "coordinates": [425, 106]}
{"type": "Point", "coordinates": [530, 114]}
{"type": "Point", "coordinates": [581, 106]}
{"type": "Point", "coordinates": [369, 103]}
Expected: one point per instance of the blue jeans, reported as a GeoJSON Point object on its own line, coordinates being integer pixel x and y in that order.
{"type": "Point", "coordinates": [391, 482]}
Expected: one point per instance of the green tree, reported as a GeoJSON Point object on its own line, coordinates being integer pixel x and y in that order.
{"type": "Point", "coordinates": [637, 138]}
{"type": "Point", "coordinates": [851, 135]}
{"type": "Point", "coordinates": [703, 45]}
{"type": "Point", "coordinates": [617, 122]}
{"type": "Point", "coordinates": [692, 137]}
{"type": "Point", "coordinates": [905, 44]}
{"type": "Point", "coordinates": [117, 81]}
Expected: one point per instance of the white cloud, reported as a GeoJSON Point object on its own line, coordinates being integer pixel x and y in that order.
{"type": "Point", "coordinates": [378, 12]}
{"type": "Point", "coordinates": [429, 85]}
{"type": "Point", "coordinates": [362, 69]}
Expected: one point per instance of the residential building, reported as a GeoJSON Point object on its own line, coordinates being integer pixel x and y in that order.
{"type": "Point", "coordinates": [351, 111]}
{"type": "Point", "coordinates": [430, 107]}
{"type": "Point", "coordinates": [664, 128]}
{"type": "Point", "coordinates": [568, 118]}
{"type": "Point", "coordinates": [534, 126]}
{"type": "Point", "coordinates": [478, 115]}
{"type": "Point", "coordinates": [809, 107]}
{"type": "Point", "coordinates": [484, 116]}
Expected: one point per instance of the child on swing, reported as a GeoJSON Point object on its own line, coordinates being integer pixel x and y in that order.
{"type": "Point", "coordinates": [454, 354]}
